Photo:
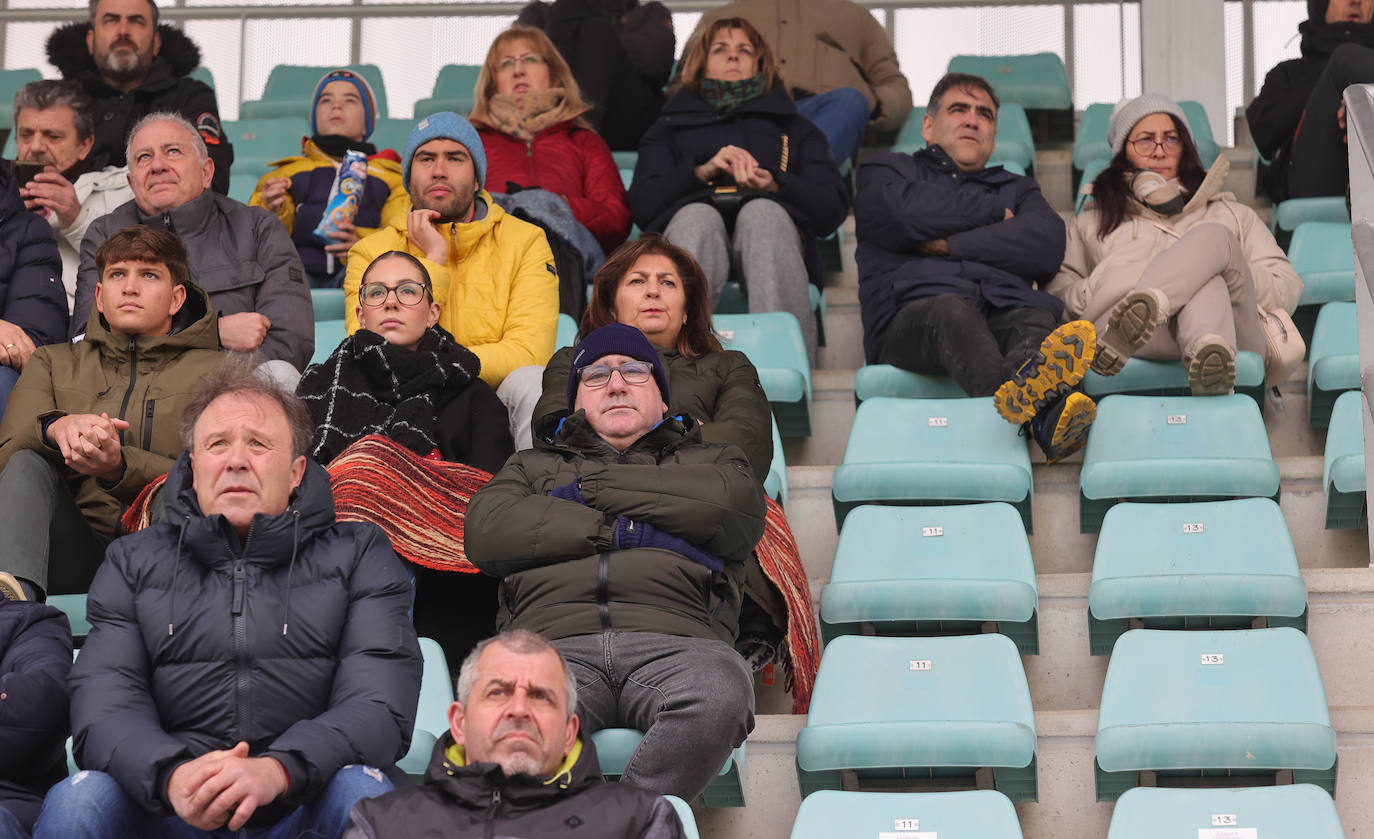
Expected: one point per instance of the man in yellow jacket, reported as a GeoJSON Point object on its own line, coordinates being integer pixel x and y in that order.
{"type": "Point", "coordinates": [493, 274]}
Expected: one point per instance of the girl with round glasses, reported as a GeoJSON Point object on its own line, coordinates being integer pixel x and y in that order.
{"type": "Point", "coordinates": [1163, 262]}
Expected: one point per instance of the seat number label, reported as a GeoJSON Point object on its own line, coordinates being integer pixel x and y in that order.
{"type": "Point", "coordinates": [1213, 658]}
{"type": "Point", "coordinates": [1177, 419]}
{"type": "Point", "coordinates": [1225, 820]}
{"type": "Point", "coordinates": [921, 664]}
{"type": "Point", "coordinates": [906, 824]}
{"type": "Point", "coordinates": [938, 422]}
{"type": "Point", "coordinates": [937, 530]}
{"type": "Point", "coordinates": [1228, 832]}
{"type": "Point", "coordinates": [1194, 527]}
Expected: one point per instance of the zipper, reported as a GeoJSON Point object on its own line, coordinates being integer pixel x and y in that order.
{"type": "Point", "coordinates": [167, 221]}
{"type": "Point", "coordinates": [133, 380]}
{"type": "Point", "coordinates": [240, 648]}
{"type": "Point", "coordinates": [148, 425]}
{"type": "Point", "coordinates": [603, 590]}
{"type": "Point", "coordinates": [529, 158]}
{"type": "Point", "coordinates": [491, 817]}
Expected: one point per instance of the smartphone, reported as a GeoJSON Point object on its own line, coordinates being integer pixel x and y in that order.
{"type": "Point", "coordinates": [25, 172]}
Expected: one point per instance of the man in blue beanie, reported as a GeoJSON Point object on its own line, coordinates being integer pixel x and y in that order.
{"type": "Point", "coordinates": [494, 276]}
{"type": "Point", "coordinates": [623, 540]}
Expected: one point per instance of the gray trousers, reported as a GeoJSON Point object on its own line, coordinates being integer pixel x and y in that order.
{"type": "Point", "coordinates": [766, 253]}
{"type": "Point", "coordinates": [40, 521]}
{"type": "Point", "coordinates": [693, 698]}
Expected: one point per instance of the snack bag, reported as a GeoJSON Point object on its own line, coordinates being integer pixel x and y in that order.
{"type": "Point", "coordinates": [343, 204]}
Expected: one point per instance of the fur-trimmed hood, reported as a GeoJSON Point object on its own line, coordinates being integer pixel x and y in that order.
{"type": "Point", "coordinates": [67, 50]}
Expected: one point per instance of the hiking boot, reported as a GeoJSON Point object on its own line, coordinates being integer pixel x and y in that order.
{"type": "Point", "coordinates": [12, 588]}
{"type": "Point", "coordinates": [1062, 428]}
{"type": "Point", "coordinates": [1211, 367]}
{"type": "Point", "coordinates": [1055, 369]}
{"type": "Point", "coordinates": [1129, 327]}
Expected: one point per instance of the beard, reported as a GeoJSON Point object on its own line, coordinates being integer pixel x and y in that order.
{"type": "Point", "coordinates": [519, 763]}
{"type": "Point", "coordinates": [127, 66]}
{"type": "Point", "coordinates": [455, 208]}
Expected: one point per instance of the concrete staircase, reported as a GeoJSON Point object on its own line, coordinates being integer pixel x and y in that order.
{"type": "Point", "coordinates": [1065, 681]}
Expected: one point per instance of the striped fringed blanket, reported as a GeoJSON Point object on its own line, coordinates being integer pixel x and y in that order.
{"type": "Point", "coordinates": [379, 481]}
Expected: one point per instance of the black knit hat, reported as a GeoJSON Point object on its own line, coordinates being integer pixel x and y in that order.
{"type": "Point", "coordinates": [615, 339]}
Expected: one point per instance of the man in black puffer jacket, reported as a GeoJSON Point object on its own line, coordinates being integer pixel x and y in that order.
{"type": "Point", "coordinates": [512, 764]}
{"type": "Point", "coordinates": [35, 658]}
{"type": "Point", "coordinates": [250, 661]}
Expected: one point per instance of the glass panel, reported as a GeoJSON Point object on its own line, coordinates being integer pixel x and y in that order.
{"type": "Point", "coordinates": [1106, 64]}
{"type": "Point", "coordinates": [26, 45]}
{"type": "Point", "coordinates": [411, 51]}
{"type": "Point", "coordinates": [312, 41]}
{"type": "Point", "coordinates": [1276, 36]}
{"type": "Point", "coordinates": [219, 42]}
{"type": "Point", "coordinates": [1233, 17]}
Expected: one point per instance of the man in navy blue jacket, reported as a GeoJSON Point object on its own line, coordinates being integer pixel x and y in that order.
{"type": "Point", "coordinates": [35, 658]}
{"type": "Point", "coordinates": [950, 253]}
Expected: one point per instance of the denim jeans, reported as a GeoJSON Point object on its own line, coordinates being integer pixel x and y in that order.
{"type": "Point", "coordinates": [842, 116]}
{"type": "Point", "coordinates": [9, 377]}
{"type": "Point", "coordinates": [91, 805]}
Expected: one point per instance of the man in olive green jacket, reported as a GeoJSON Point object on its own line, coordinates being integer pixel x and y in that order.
{"type": "Point", "coordinates": [90, 423]}
{"type": "Point", "coordinates": [624, 540]}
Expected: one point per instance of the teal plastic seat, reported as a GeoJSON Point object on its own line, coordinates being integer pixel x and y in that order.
{"type": "Point", "coordinates": [1333, 360]}
{"type": "Point", "coordinates": [203, 75]}
{"type": "Point", "coordinates": [685, 815]}
{"type": "Point", "coordinates": [329, 303]}
{"type": "Point", "coordinates": [929, 710]}
{"type": "Point", "coordinates": [258, 143]}
{"type": "Point", "coordinates": [1287, 215]}
{"type": "Point", "coordinates": [431, 717]}
{"type": "Point", "coordinates": [328, 335]}
{"type": "Point", "coordinates": [1209, 564]}
{"type": "Point", "coordinates": [1014, 149]}
{"type": "Point", "coordinates": [773, 342]}
{"type": "Point", "coordinates": [1148, 377]}
{"type": "Point", "coordinates": [1229, 703]}
{"type": "Point", "coordinates": [904, 570]}
{"type": "Point", "coordinates": [290, 86]}
{"type": "Point", "coordinates": [886, 380]}
{"type": "Point", "coordinates": [567, 330]}
{"type": "Point", "coordinates": [1302, 810]}
{"type": "Point", "coordinates": [920, 452]}
{"type": "Point", "coordinates": [1090, 174]}
{"type": "Point", "coordinates": [614, 746]}
{"type": "Point", "coordinates": [454, 90]}
{"type": "Point", "coordinates": [1324, 256]}
{"type": "Point", "coordinates": [775, 484]}
{"type": "Point", "coordinates": [74, 607]}
{"type": "Point", "coordinates": [1035, 80]}
{"type": "Point", "coordinates": [1174, 448]}
{"type": "Point", "coordinates": [10, 83]}
{"type": "Point", "coordinates": [971, 814]}
{"type": "Point", "coordinates": [1343, 478]}
{"type": "Point", "coordinates": [391, 133]}
{"type": "Point", "coordinates": [241, 187]}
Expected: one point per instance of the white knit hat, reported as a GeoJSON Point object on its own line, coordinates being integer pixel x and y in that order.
{"type": "Point", "coordinates": [1130, 111]}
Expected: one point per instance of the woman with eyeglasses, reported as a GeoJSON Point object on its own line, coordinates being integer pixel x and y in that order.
{"type": "Point", "coordinates": [1164, 263]}
{"type": "Point", "coordinates": [403, 376]}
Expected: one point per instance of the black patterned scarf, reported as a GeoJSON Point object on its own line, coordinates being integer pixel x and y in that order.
{"type": "Point", "coordinates": [724, 96]}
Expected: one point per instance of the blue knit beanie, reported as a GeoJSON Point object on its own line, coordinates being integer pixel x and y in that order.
{"type": "Point", "coordinates": [615, 339]}
{"type": "Point", "coordinates": [364, 90]}
{"type": "Point", "coordinates": [449, 126]}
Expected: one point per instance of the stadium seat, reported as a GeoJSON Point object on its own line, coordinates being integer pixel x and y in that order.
{"type": "Point", "coordinates": [1207, 148]}
{"type": "Point", "coordinates": [259, 143]}
{"type": "Point", "coordinates": [932, 451]}
{"type": "Point", "coordinates": [1090, 142]}
{"type": "Point", "coordinates": [1302, 810]}
{"type": "Point", "coordinates": [773, 342]}
{"type": "Point", "coordinates": [567, 330]}
{"type": "Point", "coordinates": [328, 335]}
{"type": "Point", "coordinates": [1333, 360]}
{"type": "Point", "coordinates": [74, 606]}
{"type": "Point", "coordinates": [1238, 703]}
{"type": "Point", "coordinates": [1324, 256]}
{"type": "Point", "coordinates": [912, 570]}
{"type": "Point", "coordinates": [1036, 80]}
{"type": "Point", "coordinates": [886, 380]}
{"type": "Point", "coordinates": [1147, 377]}
{"type": "Point", "coordinates": [1174, 448]}
{"type": "Point", "coordinates": [454, 90]}
{"type": "Point", "coordinates": [1210, 564]}
{"type": "Point", "coordinates": [10, 82]}
{"type": "Point", "coordinates": [391, 133]}
{"type": "Point", "coordinates": [1343, 478]}
{"type": "Point", "coordinates": [289, 89]}
{"type": "Point", "coordinates": [328, 303]}
{"type": "Point", "coordinates": [775, 484]}
{"type": "Point", "coordinates": [971, 814]}
{"type": "Point", "coordinates": [1289, 214]}
{"type": "Point", "coordinates": [930, 710]}
{"type": "Point", "coordinates": [685, 815]}
{"type": "Point", "coordinates": [614, 746]}
{"type": "Point", "coordinates": [203, 74]}
{"type": "Point", "coordinates": [241, 186]}
{"type": "Point", "coordinates": [1090, 174]}
{"type": "Point", "coordinates": [1015, 149]}
{"type": "Point", "coordinates": [431, 718]}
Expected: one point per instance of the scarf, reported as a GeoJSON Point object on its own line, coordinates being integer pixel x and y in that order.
{"type": "Point", "coordinates": [725, 96]}
{"type": "Point", "coordinates": [523, 115]}
{"type": "Point", "coordinates": [368, 386]}
{"type": "Point", "coordinates": [335, 145]}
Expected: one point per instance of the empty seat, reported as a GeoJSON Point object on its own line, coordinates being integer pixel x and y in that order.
{"type": "Point", "coordinates": [74, 606]}
{"type": "Point", "coordinates": [1324, 256]}
{"type": "Point", "coordinates": [886, 380]}
{"type": "Point", "coordinates": [10, 83]}
{"type": "Point", "coordinates": [241, 186]}
{"type": "Point", "coordinates": [391, 133]}
{"type": "Point", "coordinates": [1090, 174]}
{"type": "Point", "coordinates": [329, 303]}
{"type": "Point", "coordinates": [567, 330]}
{"type": "Point", "coordinates": [1015, 148]}
{"type": "Point", "coordinates": [328, 335]}
{"type": "Point", "coordinates": [773, 342]}
{"type": "Point", "coordinates": [614, 746]}
{"type": "Point", "coordinates": [775, 484]}
{"type": "Point", "coordinates": [1291, 810]}
{"type": "Point", "coordinates": [946, 712]}
{"type": "Point", "coordinates": [431, 717]}
{"type": "Point", "coordinates": [932, 569]}
{"type": "Point", "coordinates": [1343, 478]}
{"type": "Point", "coordinates": [1235, 703]}
{"type": "Point", "coordinates": [685, 815]}
{"type": "Point", "coordinates": [289, 89]}
{"type": "Point", "coordinates": [1206, 564]}
{"type": "Point", "coordinates": [932, 451]}
{"type": "Point", "coordinates": [1333, 360]}
{"type": "Point", "coordinates": [1035, 80]}
{"type": "Point", "coordinates": [972, 814]}
{"type": "Point", "coordinates": [258, 143]}
{"type": "Point", "coordinates": [454, 90]}
{"type": "Point", "coordinates": [1149, 377]}
{"type": "Point", "coordinates": [1174, 448]}
{"type": "Point", "coordinates": [1289, 214]}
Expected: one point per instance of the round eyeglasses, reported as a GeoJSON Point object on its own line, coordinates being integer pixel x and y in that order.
{"type": "Point", "coordinates": [408, 293]}
{"type": "Point", "coordinates": [1145, 146]}
{"type": "Point", "coordinates": [633, 372]}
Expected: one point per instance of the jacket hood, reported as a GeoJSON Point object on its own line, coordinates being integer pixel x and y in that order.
{"type": "Point", "coordinates": [472, 783]}
{"type": "Point", "coordinates": [1320, 39]}
{"type": "Point", "coordinates": [67, 50]}
{"type": "Point", "coordinates": [194, 326]}
{"type": "Point", "coordinates": [574, 433]}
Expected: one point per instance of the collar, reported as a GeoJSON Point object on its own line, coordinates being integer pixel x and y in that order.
{"type": "Point", "coordinates": [562, 776]}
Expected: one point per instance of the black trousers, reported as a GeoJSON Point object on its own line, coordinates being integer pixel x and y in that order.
{"type": "Point", "coordinates": [1318, 165]}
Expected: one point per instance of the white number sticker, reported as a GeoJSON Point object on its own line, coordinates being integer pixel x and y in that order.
{"type": "Point", "coordinates": [1225, 820]}
{"type": "Point", "coordinates": [906, 824]}
{"type": "Point", "coordinates": [1228, 833]}
{"type": "Point", "coordinates": [726, 335]}
{"type": "Point", "coordinates": [1194, 527]}
{"type": "Point", "coordinates": [929, 834]}
{"type": "Point", "coordinates": [1213, 658]}
{"type": "Point", "coordinates": [938, 422]}
{"type": "Point", "coordinates": [921, 664]}
{"type": "Point", "coordinates": [933, 531]}
{"type": "Point", "coordinates": [1177, 419]}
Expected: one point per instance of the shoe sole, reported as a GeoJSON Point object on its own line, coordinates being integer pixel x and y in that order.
{"type": "Point", "coordinates": [1063, 359]}
{"type": "Point", "coordinates": [1071, 431]}
{"type": "Point", "coordinates": [1212, 371]}
{"type": "Point", "coordinates": [1130, 326]}
{"type": "Point", "coordinates": [10, 589]}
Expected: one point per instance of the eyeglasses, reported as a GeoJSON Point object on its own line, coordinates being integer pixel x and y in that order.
{"type": "Point", "coordinates": [408, 293]}
{"type": "Point", "coordinates": [1145, 146]}
{"type": "Point", "coordinates": [633, 372]}
{"type": "Point", "coordinates": [529, 59]}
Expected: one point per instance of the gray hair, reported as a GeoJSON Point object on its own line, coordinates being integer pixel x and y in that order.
{"type": "Point", "coordinates": [94, 5]}
{"type": "Point", "coordinates": [47, 94]}
{"type": "Point", "coordinates": [520, 641]}
{"type": "Point", "coordinates": [239, 375]}
{"type": "Point", "coordinates": [202, 153]}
